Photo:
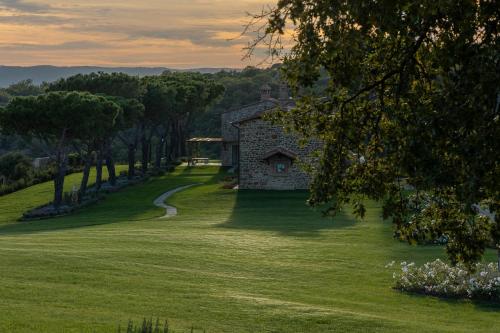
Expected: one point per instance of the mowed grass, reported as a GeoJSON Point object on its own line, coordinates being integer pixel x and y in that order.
{"type": "Point", "coordinates": [231, 261]}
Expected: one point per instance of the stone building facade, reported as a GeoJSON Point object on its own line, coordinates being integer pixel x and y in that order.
{"type": "Point", "coordinates": [230, 146]}
{"type": "Point", "coordinates": [265, 156]}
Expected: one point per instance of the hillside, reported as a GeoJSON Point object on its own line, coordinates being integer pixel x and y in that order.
{"type": "Point", "coordinates": [39, 74]}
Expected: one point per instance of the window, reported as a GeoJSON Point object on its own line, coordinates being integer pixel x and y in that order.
{"type": "Point", "coordinates": [280, 166]}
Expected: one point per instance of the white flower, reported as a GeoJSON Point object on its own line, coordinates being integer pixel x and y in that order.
{"type": "Point", "coordinates": [439, 278]}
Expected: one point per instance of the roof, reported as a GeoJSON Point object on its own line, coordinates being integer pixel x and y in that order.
{"type": "Point", "coordinates": [271, 100]}
{"type": "Point", "coordinates": [205, 140]}
{"type": "Point", "coordinates": [288, 106]}
{"type": "Point", "coordinates": [280, 151]}
{"type": "Point", "coordinates": [257, 115]}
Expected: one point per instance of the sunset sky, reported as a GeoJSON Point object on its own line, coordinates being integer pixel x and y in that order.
{"type": "Point", "coordinates": [171, 33]}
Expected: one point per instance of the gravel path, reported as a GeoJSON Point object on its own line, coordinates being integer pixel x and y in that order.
{"type": "Point", "coordinates": [160, 201]}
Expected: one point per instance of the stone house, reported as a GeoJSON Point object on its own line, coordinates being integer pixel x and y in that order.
{"type": "Point", "coordinates": [265, 156]}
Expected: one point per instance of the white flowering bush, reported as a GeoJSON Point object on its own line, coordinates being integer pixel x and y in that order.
{"type": "Point", "coordinates": [441, 279]}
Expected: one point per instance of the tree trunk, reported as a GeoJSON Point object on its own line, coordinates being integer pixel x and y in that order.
{"type": "Point", "coordinates": [182, 141]}
{"type": "Point", "coordinates": [98, 177]}
{"type": "Point", "coordinates": [173, 145]}
{"type": "Point", "coordinates": [159, 153]}
{"type": "Point", "coordinates": [167, 149]}
{"type": "Point", "coordinates": [498, 253]}
{"type": "Point", "coordinates": [131, 161]}
{"type": "Point", "coordinates": [150, 152]}
{"type": "Point", "coordinates": [59, 179]}
{"type": "Point", "coordinates": [145, 154]}
{"type": "Point", "coordinates": [85, 177]}
{"type": "Point", "coordinates": [110, 165]}
{"type": "Point", "coordinates": [169, 144]}
{"type": "Point", "coordinates": [179, 140]}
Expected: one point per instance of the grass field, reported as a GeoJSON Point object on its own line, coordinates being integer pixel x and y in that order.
{"type": "Point", "coordinates": [229, 262]}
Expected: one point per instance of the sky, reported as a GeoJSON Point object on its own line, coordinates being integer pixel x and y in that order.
{"type": "Point", "coordinates": [169, 33]}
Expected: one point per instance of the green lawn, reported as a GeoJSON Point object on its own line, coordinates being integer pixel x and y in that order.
{"type": "Point", "coordinates": [229, 262]}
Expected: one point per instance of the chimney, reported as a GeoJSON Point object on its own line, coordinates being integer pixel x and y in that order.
{"type": "Point", "coordinates": [284, 93]}
{"type": "Point", "coordinates": [265, 92]}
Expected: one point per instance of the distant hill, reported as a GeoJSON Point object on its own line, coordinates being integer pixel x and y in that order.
{"type": "Point", "coordinates": [39, 74]}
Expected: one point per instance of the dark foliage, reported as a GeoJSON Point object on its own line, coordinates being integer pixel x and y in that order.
{"type": "Point", "coordinates": [412, 93]}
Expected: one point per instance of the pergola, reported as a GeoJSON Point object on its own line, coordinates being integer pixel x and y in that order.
{"type": "Point", "coordinates": [194, 149]}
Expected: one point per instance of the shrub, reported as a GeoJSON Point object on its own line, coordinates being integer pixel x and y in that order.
{"type": "Point", "coordinates": [150, 326]}
{"type": "Point", "coordinates": [75, 161]}
{"type": "Point", "coordinates": [33, 177]}
{"type": "Point", "coordinates": [170, 168]}
{"type": "Point", "coordinates": [15, 166]}
{"type": "Point", "coordinates": [147, 326]}
{"type": "Point", "coordinates": [228, 186]}
{"type": "Point", "coordinates": [71, 198]}
{"type": "Point", "coordinates": [156, 172]}
{"type": "Point", "coordinates": [229, 182]}
{"type": "Point", "coordinates": [12, 187]}
{"type": "Point", "coordinates": [437, 278]}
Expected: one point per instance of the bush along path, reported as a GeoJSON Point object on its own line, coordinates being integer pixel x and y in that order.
{"type": "Point", "coordinates": [73, 202]}
{"type": "Point", "coordinates": [170, 210]}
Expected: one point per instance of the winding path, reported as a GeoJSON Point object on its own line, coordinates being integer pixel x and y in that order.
{"type": "Point", "coordinates": [170, 210]}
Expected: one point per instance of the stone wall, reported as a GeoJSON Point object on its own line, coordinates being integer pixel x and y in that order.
{"type": "Point", "coordinates": [257, 138]}
{"type": "Point", "coordinates": [227, 153]}
{"type": "Point", "coordinates": [230, 133]}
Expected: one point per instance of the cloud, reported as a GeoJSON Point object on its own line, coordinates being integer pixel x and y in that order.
{"type": "Point", "coordinates": [75, 45]}
{"type": "Point", "coordinates": [24, 6]}
{"type": "Point", "coordinates": [202, 36]}
{"type": "Point", "coordinates": [35, 19]}
{"type": "Point", "coordinates": [155, 32]}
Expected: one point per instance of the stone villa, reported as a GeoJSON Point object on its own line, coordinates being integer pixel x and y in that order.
{"type": "Point", "coordinates": [265, 156]}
